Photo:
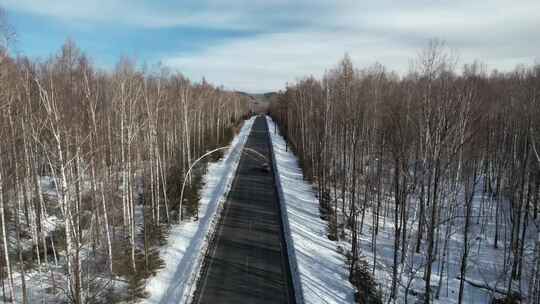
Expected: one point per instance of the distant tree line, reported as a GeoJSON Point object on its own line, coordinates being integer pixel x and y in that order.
{"type": "Point", "coordinates": [417, 149]}
{"type": "Point", "coordinates": [91, 165]}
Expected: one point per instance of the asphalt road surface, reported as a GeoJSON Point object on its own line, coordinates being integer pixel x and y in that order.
{"type": "Point", "coordinates": [247, 262]}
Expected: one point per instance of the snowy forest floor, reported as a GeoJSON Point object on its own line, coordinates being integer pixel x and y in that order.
{"type": "Point", "coordinates": [179, 258]}
{"type": "Point", "coordinates": [321, 270]}
{"type": "Point", "coordinates": [186, 244]}
{"type": "Point", "coordinates": [322, 266]}
{"type": "Point", "coordinates": [487, 266]}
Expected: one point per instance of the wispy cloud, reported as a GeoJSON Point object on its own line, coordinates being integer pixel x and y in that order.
{"type": "Point", "coordinates": [136, 13]}
{"type": "Point", "coordinates": [287, 39]}
{"type": "Point", "coordinates": [266, 62]}
{"type": "Point", "coordinates": [496, 32]}
{"type": "Point", "coordinates": [234, 14]}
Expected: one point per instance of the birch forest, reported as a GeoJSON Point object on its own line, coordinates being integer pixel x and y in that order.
{"type": "Point", "coordinates": [374, 184]}
{"type": "Point", "coordinates": [429, 179]}
{"type": "Point", "coordinates": [91, 168]}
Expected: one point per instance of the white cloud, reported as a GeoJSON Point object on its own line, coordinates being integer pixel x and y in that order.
{"type": "Point", "coordinates": [232, 14]}
{"type": "Point", "coordinates": [500, 33]}
{"type": "Point", "coordinates": [266, 62]}
{"type": "Point", "coordinates": [303, 37]}
{"type": "Point", "coordinates": [137, 13]}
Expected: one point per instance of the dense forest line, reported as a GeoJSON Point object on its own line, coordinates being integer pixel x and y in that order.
{"type": "Point", "coordinates": [430, 155]}
{"type": "Point", "coordinates": [91, 167]}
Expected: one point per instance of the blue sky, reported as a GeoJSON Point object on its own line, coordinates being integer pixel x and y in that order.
{"type": "Point", "coordinates": [40, 36]}
{"type": "Point", "coordinates": [259, 45]}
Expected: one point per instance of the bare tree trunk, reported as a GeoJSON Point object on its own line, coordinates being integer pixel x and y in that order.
{"type": "Point", "coordinates": [4, 239]}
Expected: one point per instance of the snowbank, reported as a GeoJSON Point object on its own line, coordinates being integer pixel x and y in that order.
{"type": "Point", "coordinates": [187, 242]}
{"type": "Point", "coordinates": [319, 271]}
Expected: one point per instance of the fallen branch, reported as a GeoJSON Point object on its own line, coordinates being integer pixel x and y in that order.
{"type": "Point", "coordinates": [483, 286]}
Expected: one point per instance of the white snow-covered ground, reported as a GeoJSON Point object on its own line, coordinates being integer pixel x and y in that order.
{"type": "Point", "coordinates": [317, 265]}
{"type": "Point", "coordinates": [321, 269]}
{"type": "Point", "coordinates": [187, 242]}
{"type": "Point", "coordinates": [486, 265]}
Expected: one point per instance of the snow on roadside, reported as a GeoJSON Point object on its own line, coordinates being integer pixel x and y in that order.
{"type": "Point", "coordinates": [316, 264]}
{"type": "Point", "coordinates": [184, 253]}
